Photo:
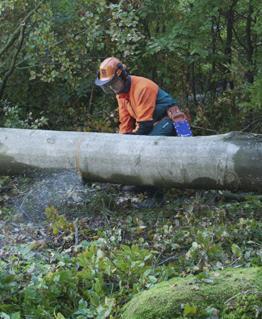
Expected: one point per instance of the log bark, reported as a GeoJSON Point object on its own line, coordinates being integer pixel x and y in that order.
{"type": "Point", "coordinates": [230, 161]}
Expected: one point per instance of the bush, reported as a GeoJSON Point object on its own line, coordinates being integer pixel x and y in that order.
{"type": "Point", "coordinates": [13, 117]}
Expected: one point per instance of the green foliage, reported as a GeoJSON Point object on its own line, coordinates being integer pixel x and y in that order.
{"type": "Point", "coordinates": [189, 52]}
{"type": "Point", "coordinates": [58, 223]}
{"type": "Point", "coordinates": [13, 117]}
{"type": "Point", "coordinates": [244, 305]}
{"type": "Point", "coordinates": [102, 202]}
{"type": "Point", "coordinates": [256, 94]}
{"type": "Point", "coordinates": [202, 60]}
{"type": "Point", "coordinates": [120, 252]}
{"type": "Point", "coordinates": [189, 310]}
{"type": "Point", "coordinates": [125, 30]}
{"type": "Point", "coordinates": [89, 285]}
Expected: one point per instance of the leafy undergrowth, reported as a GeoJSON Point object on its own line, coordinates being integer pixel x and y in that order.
{"type": "Point", "coordinates": [87, 260]}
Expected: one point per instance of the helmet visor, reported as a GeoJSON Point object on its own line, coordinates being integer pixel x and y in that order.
{"type": "Point", "coordinates": [116, 85]}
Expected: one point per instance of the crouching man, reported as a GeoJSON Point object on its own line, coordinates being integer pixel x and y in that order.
{"type": "Point", "coordinates": [144, 108]}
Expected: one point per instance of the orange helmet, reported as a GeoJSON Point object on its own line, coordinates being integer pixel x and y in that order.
{"type": "Point", "coordinates": [109, 69]}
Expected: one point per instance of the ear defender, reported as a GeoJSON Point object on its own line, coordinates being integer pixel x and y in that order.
{"type": "Point", "coordinates": [124, 72]}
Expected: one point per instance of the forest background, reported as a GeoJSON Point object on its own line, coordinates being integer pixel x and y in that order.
{"type": "Point", "coordinates": [205, 53]}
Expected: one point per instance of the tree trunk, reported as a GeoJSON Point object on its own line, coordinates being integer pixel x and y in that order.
{"type": "Point", "coordinates": [249, 45]}
{"type": "Point", "coordinates": [193, 82]}
{"type": "Point", "coordinates": [229, 16]}
{"type": "Point", "coordinates": [214, 33]}
{"type": "Point", "coordinates": [229, 161]}
{"type": "Point", "coordinates": [19, 34]}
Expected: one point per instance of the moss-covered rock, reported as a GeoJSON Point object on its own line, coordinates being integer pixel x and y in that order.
{"type": "Point", "coordinates": [229, 294]}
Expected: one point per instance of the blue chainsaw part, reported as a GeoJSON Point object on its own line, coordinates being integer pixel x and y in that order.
{"type": "Point", "coordinates": [182, 128]}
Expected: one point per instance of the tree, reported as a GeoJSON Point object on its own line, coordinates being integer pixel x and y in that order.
{"type": "Point", "coordinates": [15, 43]}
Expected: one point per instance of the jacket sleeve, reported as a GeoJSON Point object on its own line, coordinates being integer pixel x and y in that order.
{"type": "Point", "coordinates": [127, 123]}
{"type": "Point", "coordinates": [145, 104]}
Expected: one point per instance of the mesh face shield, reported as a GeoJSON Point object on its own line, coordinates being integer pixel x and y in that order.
{"type": "Point", "coordinates": [114, 86]}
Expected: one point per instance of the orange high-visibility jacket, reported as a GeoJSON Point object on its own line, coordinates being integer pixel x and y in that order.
{"type": "Point", "coordinates": [138, 104]}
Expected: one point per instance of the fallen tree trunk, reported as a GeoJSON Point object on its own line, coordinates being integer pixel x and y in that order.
{"type": "Point", "coordinates": [229, 161]}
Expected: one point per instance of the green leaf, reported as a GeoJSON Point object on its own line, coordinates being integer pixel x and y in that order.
{"type": "Point", "coordinates": [236, 250]}
{"type": "Point", "coordinates": [189, 310]}
{"type": "Point", "coordinates": [59, 316]}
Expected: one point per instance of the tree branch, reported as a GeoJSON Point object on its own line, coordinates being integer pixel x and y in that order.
{"type": "Point", "coordinates": [13, 62]}
{"type": "Point", "coordinates": [238, 39]}
{"type": "Point", "coordinates": [18, 29]}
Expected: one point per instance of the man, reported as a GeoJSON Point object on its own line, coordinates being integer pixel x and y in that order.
{"type": "Point", "coordinates": [144, 108]}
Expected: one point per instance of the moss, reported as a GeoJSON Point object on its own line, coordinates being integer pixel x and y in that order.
{"type": "Point", "coordinates": [221, 291]}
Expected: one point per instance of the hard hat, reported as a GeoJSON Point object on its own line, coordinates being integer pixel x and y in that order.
{"type": "Point", "coordinates": [109, 69]}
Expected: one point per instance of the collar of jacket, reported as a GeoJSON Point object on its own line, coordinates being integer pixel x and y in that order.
{"type": "Point", "coordinates": [124, 96]}
{"type": "Point", "coordinates": [127, 86]}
